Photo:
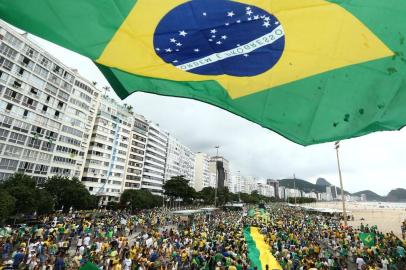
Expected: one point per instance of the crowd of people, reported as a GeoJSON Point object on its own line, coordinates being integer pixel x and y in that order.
{"type": "Point", "coordinates": [156, 239]}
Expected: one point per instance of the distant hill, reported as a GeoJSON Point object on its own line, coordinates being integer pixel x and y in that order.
{"type": "Point", "coordinates": [322, 182]}
{"type": "Point", "coordinates": [305, 186]}
{"type": "Point", "coordinates": [397, 195]}
{"type": "Point", "coordinates": [371, 196]}
{"type": "Point", "coordinates": [301, 185]}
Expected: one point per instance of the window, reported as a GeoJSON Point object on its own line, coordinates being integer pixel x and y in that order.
{"type": "Point", "coordinates": [72, 131]}
{"type": "Point", "coordinates": [30, 154]}
{"type": "Point", "coordinates": [51, 89]}
{"type": "Point", "coordinates": [12, 40]}
{"type": "Point", "coordinates": [34, 143]}
{"type": "Point", "coordinates": [21, 126]}
{"type": "Point", "coordinates": [8, 164]}
{"type": "Point", "coordinates": [42, 72]}
{"type": "Point", "coordinates": [30, 52]}
{"type": "Point", "coordinates": [48, 146]}
{"type": "Point", "coordinates": [6, 64]}
{"type": "Point", "coordinates": [44, 157]}
{"type": "Point", "coordinates": [3, 134]}
{"type": "Point", "coordinates": [37, 82]}
{"type": "Point", "coordinates": [26, 167]}
{"type": "Point", "coordinates": [6, 121]}
{"type": "Point", "coordinates": [9, 107]}
{"type": "Point", "coordinates": [8, 51]}
{"type": "Point", "coordinates": [13, 151]}
{"type": "Point", "coordinates": [41, 169]}
{"type": "Point", "coordinates": [34, 91]}
{"type": "Point", "coordinates": [17, 138]}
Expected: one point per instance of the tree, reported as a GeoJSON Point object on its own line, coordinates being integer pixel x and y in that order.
{"type": "Point", "coordinates": [207, 195]}
{"type": "Point", "coordinates": [69, 193]}
{"type": "Point", "coordinates": [23, 188]}
{"type": "Point", "coordinates": [7, 204]}
{"type": "Point", "coordinates": [139, 199]}
{"type": "Point", "coordinates": [178, 187]}
{"type": "Point", "coordinates": [45, 202]}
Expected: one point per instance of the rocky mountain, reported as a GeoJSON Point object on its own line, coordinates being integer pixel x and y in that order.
{"type": "Point", "coordinates": [396, 195]}
{"type": "Point", "coordinates": [322, 182]}
{"type": "Point", "coordinates": [371, 196]}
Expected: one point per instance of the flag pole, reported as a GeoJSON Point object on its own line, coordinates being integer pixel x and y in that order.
{"type": "Point", "coordinates": [337, 146]}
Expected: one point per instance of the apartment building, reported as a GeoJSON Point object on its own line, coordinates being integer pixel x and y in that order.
{"type": "Point", "coordinates": [108, 153]}
{"type": "Point", "coordinates": [202, 172]}
{"type": "Point", "coordinates": [179, 161]}
{"type": "Point", "coordinates": [137, 153]}
{"type": "Point", "coordinates": [46, 110]}
{"type": "Point", "coordinates": [155, 159]}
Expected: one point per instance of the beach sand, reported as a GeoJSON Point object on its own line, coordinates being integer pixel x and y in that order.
{"type": "Point", "coordinates": [386, 216]}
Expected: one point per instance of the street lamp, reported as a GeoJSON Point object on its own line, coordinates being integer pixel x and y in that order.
{"type": "Point", "coordinates": [217, 181]}
{"type": "Point", "coordinates": [337, 146]}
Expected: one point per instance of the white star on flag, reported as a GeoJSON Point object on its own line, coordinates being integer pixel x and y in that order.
{"type": "Point", "coordinates": [182, 33]}
{"type": "Point", "coordinates": [230, 14]}
{"type": "Point", "coordinates": [238, 21]}
{"type": "Point", "coordinates": [246, 55]}
{"type": "Point", "coordinates": [157, 49]}
{"type": "Point", "coordinates": [266, 24]}
{"type": "Point", "coordinates": [276, 23]}
{"type": "Point", "coordinates": [196, 50]}
{"type": "Point", "coordinates": [266, 19]}
{"type": "Point", "coordinates": [213, 36]}
{"type": "Point", "coordinates": [227, 24]}
{"type": "Point", "coordinates": [204, 13]}
{"type": "Point", "coordinates": [175, 61]}
{"type": "Point", "coordinates": [168, 50]}
{"type": "Point", "coordinates": [248, 8]}
{"type": "Point", "coordinates": [173, 40]}
{"type": "Point", "coordinates": [218, 42]}
{"type": "Point", "coordinates": [213, 31]}
{"type": "Point", "coordinates": [256, 17]}
{"type": "Point", "coordinates": [178, 44]}
{"type": "Point", "coordinates": [249, 12]}
{"type": "Point", "coordinates": [249, 19]}
{"type": "Point", "coordinates": [224, 37]}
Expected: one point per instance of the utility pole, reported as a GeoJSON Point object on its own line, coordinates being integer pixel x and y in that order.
{"type": "Point", "coordinates": [217, 180]}
{"type": "Point", "coordinates": [337, 146]}
{"type": "Point", "coordinates": [294, 185]}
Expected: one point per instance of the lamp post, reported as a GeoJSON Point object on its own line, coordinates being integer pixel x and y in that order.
{"type": "Point", "coordinates": [217, 181]}
{"type": "Point", "coordinates": [337, 146]}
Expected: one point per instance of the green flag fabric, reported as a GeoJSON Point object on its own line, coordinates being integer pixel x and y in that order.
{"type": "Point", "coordinates": [89, 266]}
{"type": "Point", "coordinates": [368, 239]}
{"type": "Point", "coordinates": [311, 70]}
{"type": "Point", "coordinates": [251, 212]}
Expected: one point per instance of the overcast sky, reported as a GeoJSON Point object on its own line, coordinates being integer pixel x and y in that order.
{"type": "Point", "coordinates": [376, 161]}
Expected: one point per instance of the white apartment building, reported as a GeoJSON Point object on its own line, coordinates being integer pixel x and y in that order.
{"type": "Point", "coordinates": [202, 173]}
{"type": "Point", "coordinates": [136, 157]}
{"type": "Point", "coordinates": [155, 159]}
{"type": "Point", "coordinates": [179, 161]}
{"type": "Point", "coordinates": [106, 160]}
{"type": "Point", "coordinates": [46, 111]}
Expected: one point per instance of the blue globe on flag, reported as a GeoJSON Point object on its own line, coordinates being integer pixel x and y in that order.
{"type": "Point", "coordinates": [216, 37]}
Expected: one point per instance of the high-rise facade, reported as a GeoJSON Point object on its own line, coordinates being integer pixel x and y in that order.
{"type": "Point", "coordinates": [46, 111]}
{"type": "Point", "coordinates": [136, 157]}
{"type": "Point", "coordinates": [179, 161]}
{"type": "Point", "coordinates": [220, 167]}
{"type": "Point", "coordinates": [108, 153]}
{"type": "Point", "coordinates": [202, 172]}
{"type": "Point", "coordinates": [155, 159]}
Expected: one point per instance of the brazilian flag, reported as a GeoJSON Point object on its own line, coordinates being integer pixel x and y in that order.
{"type": "Point", "coordinates": [368, 239]}
{"type": "Point", "coordinates": [311, 70]}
